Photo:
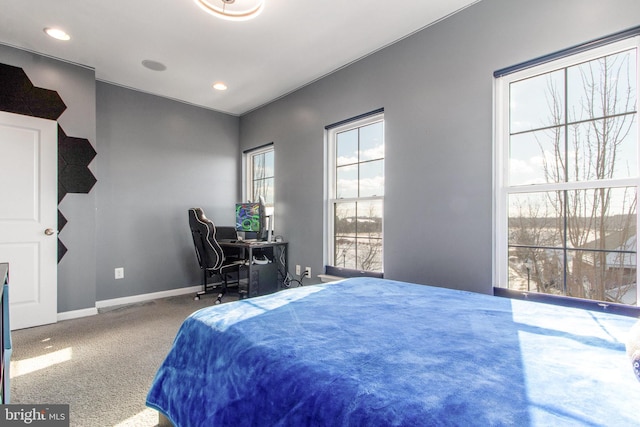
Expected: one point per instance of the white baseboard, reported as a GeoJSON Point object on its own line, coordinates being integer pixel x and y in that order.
{"type": "Point", "coordinates": [146, 297]}
{"type": "Point", "coordinates": [85, 312]}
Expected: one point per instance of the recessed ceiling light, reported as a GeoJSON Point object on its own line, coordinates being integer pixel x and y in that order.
{"type": "Point", "coordinates": [57, 33]}
{"type": "Point", "coordinates": [219, 86]}
{"type": "Point", "coordinates": [154, 65]}
{"type": "Point", "coordinates": [233, 10]}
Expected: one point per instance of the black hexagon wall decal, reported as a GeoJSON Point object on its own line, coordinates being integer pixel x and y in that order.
{"type": "Point", "coordinates": [45, 103]}
{"type": "Point", "coordinates": [62, 221]}
{"type": "Point", "coordinates": [15, 84]}
{"type": "Point", "coordinates": [75, 151]}
{"type": "Point", "coordinates": [18, 95]}
{"type": "Point", "coordinates": [61, 190]}
{"type": "Point", "coordinates": [76, 179]}
{"type": "Point", "coordinates": [62, 249]}
{"type": "Point", "coordinates": [74, 156]}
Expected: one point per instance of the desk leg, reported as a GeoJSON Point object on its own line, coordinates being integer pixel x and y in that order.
{"type": "Point", "coordinates": [280, 256]}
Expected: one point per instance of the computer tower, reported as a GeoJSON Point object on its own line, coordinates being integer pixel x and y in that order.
{"type": "Point", "coordinates": [263, 279]}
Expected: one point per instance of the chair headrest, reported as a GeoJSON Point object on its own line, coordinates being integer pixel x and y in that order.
{"type": "Point", "coordinates": [198, 214]}
{"type": "Point", "coordinates": [197, 217]}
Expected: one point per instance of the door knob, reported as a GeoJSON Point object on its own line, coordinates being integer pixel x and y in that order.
{"type": "Point", "coordinates": [49, 231]}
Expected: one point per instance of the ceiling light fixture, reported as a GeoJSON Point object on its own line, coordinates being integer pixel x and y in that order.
{"type": "Point", "coordinates": [233, 10]}
{"type": "Point", "coordinates": [154, 65]}
{"type": "Point", "coordinates": [219, 86]}
{"type": "Point", "coordinates": [57, 33]}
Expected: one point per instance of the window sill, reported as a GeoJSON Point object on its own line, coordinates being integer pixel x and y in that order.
{"type": "Point", "coordinates": [329, 278]}
{"type": "Point", "coordinates": [609, 307]}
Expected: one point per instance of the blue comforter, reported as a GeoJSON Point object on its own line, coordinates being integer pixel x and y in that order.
{"type": "Point", "coordinates": [372, 352]}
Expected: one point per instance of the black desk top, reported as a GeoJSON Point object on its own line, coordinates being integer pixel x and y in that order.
{"type": "Point", "coordinates": [248, 243]}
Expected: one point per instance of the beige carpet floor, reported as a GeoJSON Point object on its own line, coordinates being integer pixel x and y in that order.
{"type": "Point", "coordinates": [102, 365]}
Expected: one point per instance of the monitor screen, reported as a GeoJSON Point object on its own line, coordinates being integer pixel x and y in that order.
{"type": "Point", "coordinates": [249, 217]}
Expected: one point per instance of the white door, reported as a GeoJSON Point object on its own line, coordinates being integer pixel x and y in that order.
{"type": "Point", "coordinates": [28, 217]}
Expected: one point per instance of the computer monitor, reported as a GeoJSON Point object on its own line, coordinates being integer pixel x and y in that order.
{"type": "Point", "coordinates": [250, 217]}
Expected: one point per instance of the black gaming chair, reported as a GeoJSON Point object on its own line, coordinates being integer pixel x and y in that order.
{"type": "Point", "coordinates": [209, 253]}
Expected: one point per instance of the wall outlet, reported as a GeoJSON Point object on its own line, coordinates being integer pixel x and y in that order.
{"type": "Point", "coordinates": [307, 272]}
{"type": "Point", "coordinates": [119, 273]}
{"type": "Point", "coordinates": [297, 269]}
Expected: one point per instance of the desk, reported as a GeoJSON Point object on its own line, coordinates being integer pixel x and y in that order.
{"type": "Point", "coordinates": [261, 279]}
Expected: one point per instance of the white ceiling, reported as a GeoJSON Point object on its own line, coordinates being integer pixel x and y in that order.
{"type": "Point", "coordinates": [290, 44]}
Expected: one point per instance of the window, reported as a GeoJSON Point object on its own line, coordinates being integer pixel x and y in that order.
{"type": "Point", "coordinates": [260, 166]}
{"type": "Point", "coordinates": [567, 175]}
{"type": "Point", "coordinates": [356, 193]}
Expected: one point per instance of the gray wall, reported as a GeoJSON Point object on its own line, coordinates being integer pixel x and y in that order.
{"type": "Point", "coordinates": [436, 88]}
{"type": "Point", "coordinates": [158, 158]}
{"type": "Point", "coordinates": [76, 87]}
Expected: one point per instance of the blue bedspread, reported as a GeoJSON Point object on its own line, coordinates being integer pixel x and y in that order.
{"type": "Point", "coordinates": [372, 352]}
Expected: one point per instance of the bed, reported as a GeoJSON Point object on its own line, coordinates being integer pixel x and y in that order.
{"type": "Point", "coordinates": [376, 352]}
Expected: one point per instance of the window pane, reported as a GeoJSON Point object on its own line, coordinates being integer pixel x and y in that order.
{"type": "Point", "coordinates": [369, 254]}
{"type": "Point", "coordinates": [371, 142]}
{"type": "Point", "coordinates": [603, 149]}
{"type": "Point", "coordinates": [536, 102]}
{"type": "Point", "coordinates": [535, 219]}
{"type": "Point", "coordinates": [537, 157]}
{"type": "Point", "coordinates": [264, 188]}
{"type": "Point", "coordinates": [347, 181]}
{"type": "Point", "coordinates": [602, 218]}
{"type": "Point", "coordinates": [345, 219]}
{"type": "Point", "coordinates": [345, 226]}
{"type": "Point", "coordinates": [369, 233]}
{"type": "Point", "coordinates": [602, 87]}
{"type": "Point", "coordinates": [345, 252]}
{"type": "Point", "coordinates": [261, 174]}
{"type": "Point", "coordinates": [258, 166]}
{"type": "Point", "coordinates": [602, 276]}
{"type": "Point", "coordinates": [347, 147]}
{"type": "Point", "coordinates": [269, 163]}
{"type": "Point", "coordinates": [369, 219]}
{"type": "Point", "coordinates": [536, 270]}
{"type": "Point", "coordinates": [372, 178]}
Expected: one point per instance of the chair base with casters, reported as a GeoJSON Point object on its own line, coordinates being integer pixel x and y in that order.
{"type": "Point", "coordinates": [221, 288]}
{"type": "Point", "coordinates": [210, 255]}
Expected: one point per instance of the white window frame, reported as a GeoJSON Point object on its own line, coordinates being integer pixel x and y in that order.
{"type": "Point", "coordinates": [502, 189]}
{"type": "Point", "coordinates": [330, 172]}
